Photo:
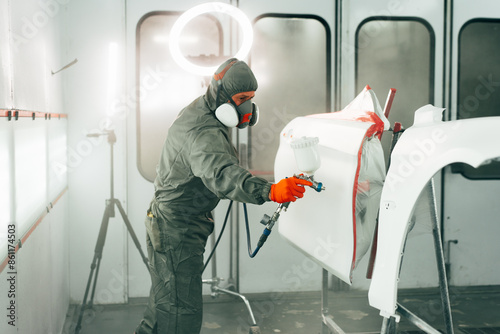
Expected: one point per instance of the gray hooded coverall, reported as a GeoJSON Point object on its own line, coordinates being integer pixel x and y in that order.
{"type": "Point", "coordinates": [198, 167]}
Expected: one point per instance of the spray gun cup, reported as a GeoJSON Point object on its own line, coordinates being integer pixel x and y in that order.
{"type": "Point", "coordinates": [306, 154]}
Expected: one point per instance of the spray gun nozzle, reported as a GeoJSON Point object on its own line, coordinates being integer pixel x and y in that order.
{"type": "Point", "coordinates": [318, 186]}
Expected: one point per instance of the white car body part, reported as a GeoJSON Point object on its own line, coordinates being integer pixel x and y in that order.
{"type": "Point", "coordinates": [421, 151]}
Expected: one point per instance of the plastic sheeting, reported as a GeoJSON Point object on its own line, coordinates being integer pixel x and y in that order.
{"type": "Point", "coordinates": [369, 189]}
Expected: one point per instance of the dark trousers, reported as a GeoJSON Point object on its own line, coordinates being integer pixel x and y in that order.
{"type": "Point", "coordinates": [175, 303]}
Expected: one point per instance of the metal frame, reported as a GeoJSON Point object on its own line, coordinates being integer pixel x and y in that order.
{"type": "Point", "coordinates": [388, 325]}
{"type": "Point", "coordinates": [328, 325]}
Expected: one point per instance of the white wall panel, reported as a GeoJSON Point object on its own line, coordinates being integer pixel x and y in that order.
{"type": "Point", "coordinates": [59, 266]}
{"type": "Point", "coordinates": [29, 48]}
{"type": "Point", "coordinates": [6, 202]}
{"type": "Point", "coordinates": [32, 267]}
{"type": "Point", "coordinates": [43, 291]}
{"type": "Point", "coordinates": [30, 144]}
{"type": "Point", "coordinates": [56, 157]}
{"type": "Point", "coordinates": [5, 57]}
{"type": "Point", "coordinates": [29, 22]}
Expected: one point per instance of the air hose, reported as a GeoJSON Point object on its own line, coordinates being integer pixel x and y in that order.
{"type": "Point", "coordinates": [262, 240]}
{"type": "Point", "coordinates": [266, 220]}
{"type": "Point", "coordinates": [219, 237]}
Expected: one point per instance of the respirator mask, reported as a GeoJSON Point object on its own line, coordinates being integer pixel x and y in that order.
{"type": "Point", "coordinates": [232, 115]}
{"type": "Point", "coordinates": [229, 113]}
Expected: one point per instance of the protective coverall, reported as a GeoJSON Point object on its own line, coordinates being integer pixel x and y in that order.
{"type": "Point", "coordinates": [198, 167]}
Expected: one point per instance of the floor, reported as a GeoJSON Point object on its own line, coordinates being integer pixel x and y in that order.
{"type": "Point", "coordinates": [474, 310]}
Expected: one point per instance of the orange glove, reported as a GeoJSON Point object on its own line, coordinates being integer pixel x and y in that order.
{"type": "Point", "coordinates": [288, 190]}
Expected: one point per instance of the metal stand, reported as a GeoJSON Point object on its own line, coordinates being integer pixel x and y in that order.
{"type": "Point", "coordinates": [254, 329]}
{"type": "Point", "coordinates": [443, 282]}
{"type": "Point", "coordinates": [328, 325]}
{"type": "Point", "coordinates": [108, 213]}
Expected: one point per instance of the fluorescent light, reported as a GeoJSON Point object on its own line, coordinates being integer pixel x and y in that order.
{"type": "Point", "coordinates": [112, 75]}
{"type": "Point", "coordinates": [218, 7]}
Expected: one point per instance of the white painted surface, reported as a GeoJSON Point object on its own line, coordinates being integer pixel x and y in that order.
{"type": "Point", "coordinates": [321, 224]}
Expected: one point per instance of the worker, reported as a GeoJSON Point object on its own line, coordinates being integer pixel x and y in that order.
{"type": "Point", "coordinates": [198, 166]}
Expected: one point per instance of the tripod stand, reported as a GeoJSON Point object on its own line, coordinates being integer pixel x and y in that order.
{"type": "Point", "coordinates": [108, 213]}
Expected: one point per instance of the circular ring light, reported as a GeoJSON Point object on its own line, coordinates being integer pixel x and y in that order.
{"type": "Point", "coordinates": [209, 7]}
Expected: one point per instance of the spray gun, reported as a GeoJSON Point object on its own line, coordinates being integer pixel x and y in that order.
{"type": "Point", "coordinates": [308, 161]}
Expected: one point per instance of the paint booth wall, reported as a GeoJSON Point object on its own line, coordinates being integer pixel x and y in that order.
{"type": "Point", "coordinates": [34, 282]}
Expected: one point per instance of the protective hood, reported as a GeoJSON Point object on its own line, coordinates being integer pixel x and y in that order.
{"type": "Point", "coordinates": [238, 78]}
